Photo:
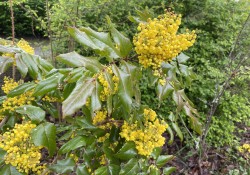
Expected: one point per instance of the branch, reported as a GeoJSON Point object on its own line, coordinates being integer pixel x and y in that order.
{"type": "Point", "coordinates": [13, 35]}
{"type": "Point", "coordinates": [225, 85]}
{"type": "Point", "coordinates": [4, 121]}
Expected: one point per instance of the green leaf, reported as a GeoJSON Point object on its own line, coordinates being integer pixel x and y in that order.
{"type": "Point", "coordinates": [31, 64]}
{"type": "Point", "coordinates": [51, 109]}
{"type": "Point", "coordinates": [164, 91]}
{"type": "Point", "coordinates": [95, 97]}
{"type": "Point", "coordinates": [75, 75]}
{"type": "Point", "coordinates": [131, 167]}
{"type": "Point", "coordinates": [82, 170]}
{"type": "Point", "coordinates": [177, 97]}
{"type": "Point", "coordinates": [47, 85]}
{"type": "Point", "coordinates": [163, 159]}
{"type": "Point", "coordinates": [182, 58]}
{"type": "Point", "coordinates": [63, 166]}
{"type": "Point", "coordinates": [44, 64]}
{"type": "Point", "coordinates": [21, 66]}
{"type": "Point", "coordinates": [125, 91]}
{"type": "Point", "coordinates": [78, 97]}
{"type": "Point", "coordinates": [68, 88]}
{"type": "Point", "coordinates": [172, 117]}
{"type": "Point", "coordinates": [127, 151]}
{"type": "Point", "coordinates": [9, 49]}
{"type": "Point", "coordinates": [45, 135]}
{"type": "Point", "coordinates": [142, 16]}
{"type": "Point", "coordinates": [2, 154]}
{"type": "Point", "coordinates": [123, 43]}
{"type": "Point", "coordinates": [99, 41]}
{"type": "Point", "coordinates": [177, 130]}
{"type": "Point", "coordinates": [102, 171]}
{"type": "Point", "coordinates": [5, 63]}
{"type": "Point", "coordinates": [2, 98]}
{"type": "Point", "coordinates": [73, 144]}
{"type": "Point", "coordinates": [21, 89]}
{"type": "Point", "coordinates": [114, 134]}
{"type": "Point", "coordinates": [154, 171]}
{"type": "Point", "coordinates": [84, 123]}
{"type": "Point", "coordinates": [113, 169]}
{"type": "Point", "coordinates": [168, 170]}
{"type": "Point", "coordinates": [36, 114]}
{"type": "Point", "coordinates": [75, 60]}
{"type": "Point", "coordinates": [9, 170]}
{"type": "Point", "coordinates": [156, 152]}
{"type": "Point", "coordinates": [195, 125]}
{"type": "Point", "coordinates": [171, 135]}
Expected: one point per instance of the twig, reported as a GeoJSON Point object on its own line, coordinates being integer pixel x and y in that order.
{"type": "Point", "coordinates": [4, 121]}
{"type": "Point", "coordinates": [50, 33]}
{"type": "Point", "coordinates": [13, 35]}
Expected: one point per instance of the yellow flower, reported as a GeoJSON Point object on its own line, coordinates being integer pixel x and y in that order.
{"type": "Point", "coordinates": [8, 85]}
{"type": "Point", "coordinates": [51, 99]}
{"type": "Point", "coordinates": [10, 103]}
{"type": "Point", "coordinates": [21, 152]}
{"type": "Point", "coordinates": [24, 45]}
{"type": "Point", "coordinates": [158, 41]}
{"type": "Point", "coordinates": [107, 89]}
{"type": "Point", "coordinates": [148, 137]}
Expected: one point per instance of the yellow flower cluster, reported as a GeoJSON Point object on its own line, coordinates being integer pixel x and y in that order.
{"type": "Point", "coordinates": [8, 85]}
{"type": "Point", "coordinates": [11, 103]}
{"type": "Point", "coordinates": [159, 42]}
{"type": "Point", "coordinates": [103, 159]}
{"type": "Point", "coordinates": [107, 90]}
{"type": "Point", "coordinates": [100, 118]}
{"type": "Point", "coordinates": [245, 148]}
{"type": "Point", "coordinates": [102, 121]}
{"type": "Point", "coordinates": [74, 157]}
{"type": "Point", "coordinates": [148, 137]}
{"type": "Point", "coordinates": [24, 45]}
{"type": "Point", "coordinates": [50, 99]}
{"type": "Point", "coordinates": [21, 152]}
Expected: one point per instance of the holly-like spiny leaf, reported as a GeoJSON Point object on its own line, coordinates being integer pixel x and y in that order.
{"type": "Point", "coordinates": [45, 135]}
{"type": "Point", "coordinates": [5, 63]}
{"type": "Point", "coordinates": [36, 114]}
{"type": "Point", "coordinates": [78, 97]}
{"type": "Point", "coordinates": [64, 166]}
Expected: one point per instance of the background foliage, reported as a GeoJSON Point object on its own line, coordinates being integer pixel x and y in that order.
{"type": "Point", "coordinates": [217, 22]}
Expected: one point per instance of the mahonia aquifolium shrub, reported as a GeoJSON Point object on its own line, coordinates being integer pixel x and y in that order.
{"type": "Point", "coordinates": [105, 127]}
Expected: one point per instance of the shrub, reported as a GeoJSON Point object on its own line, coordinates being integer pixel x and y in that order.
{"type": "Point", "coordinates": [89, 118]}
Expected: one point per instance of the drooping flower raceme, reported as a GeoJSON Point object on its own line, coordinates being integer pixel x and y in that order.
{"type": "Point", "coordinates": [158, 41]}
